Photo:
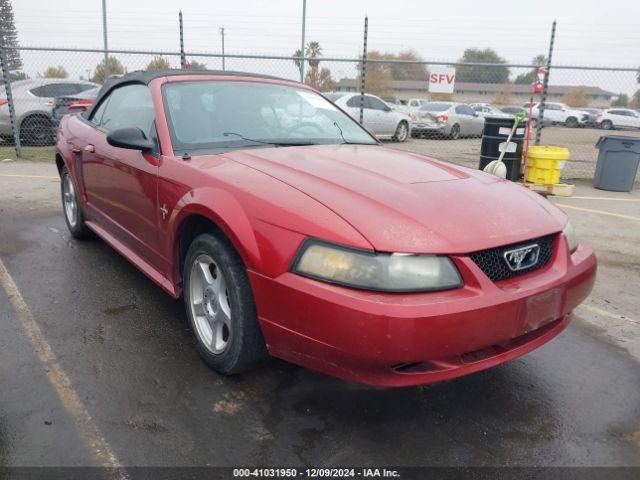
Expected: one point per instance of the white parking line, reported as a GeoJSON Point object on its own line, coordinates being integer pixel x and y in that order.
{"type": "Point", "coordinates": [613, 199]}
{"type": "Point", "coordinates": [11, 175]}
{"type": "Point", "coordinates": [599, 212]}
{"type": "Point", "coordinates": [58, 378]}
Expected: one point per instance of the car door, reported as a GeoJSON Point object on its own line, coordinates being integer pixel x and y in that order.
{"type": "Point", "coordinates": [121, 184]}
{"type": "Point", "coordinates": [634, 119]}
{"type": "Point", "coordinates": [464, 117]}
{"type": "Point", "coordinates": [385, 119]}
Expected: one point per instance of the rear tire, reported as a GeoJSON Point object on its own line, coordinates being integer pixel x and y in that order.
{"type": "Point", "coordinates": [402, 132]}
{"type": "Point", "coordinates": [571, 122]}
{"type": "Point", "coordinates": [73, 216]}
{"type": "Point", "coordinates": [455, 132]}
{"type": "Point", "coordinates": [37, 131]}
{"type": "Point", "coordinates": [607, 125]}
{"type": "Point", "coordinates": [220, 306]}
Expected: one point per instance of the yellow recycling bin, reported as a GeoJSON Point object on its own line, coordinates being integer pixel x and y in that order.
{"type": "Point", "coordinates": [545, 163]}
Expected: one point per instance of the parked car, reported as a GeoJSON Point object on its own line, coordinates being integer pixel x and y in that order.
{"type": "Point", "coordinates": [33, 104]}
{"type": "Point", "coordinates": [487, 110]}
{"type": "Point", "coordinates": [447, 119]}
{"type": "Point", "coordinates": [396, 103]}
{"type": "Point", "coordinates": [561, 114]}
{"type": "Point", "coordinates": [534, 121]}
{"type": "Point", "coordinates": [73, 103]}
{"type": "Point", "coordinates": [592, 121]}
{"type": "Point", "coordinates": [379, 118]}
{"type": "Point", "coordinates": [290, 230]}
{"type": "Point", "coordinates": [620, 118]}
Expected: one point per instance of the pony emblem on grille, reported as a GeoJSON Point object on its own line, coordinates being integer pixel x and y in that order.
{"type": "Point", "coordinates": [522, 258]}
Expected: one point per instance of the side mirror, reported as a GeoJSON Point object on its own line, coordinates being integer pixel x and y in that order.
{"type": "Point", "coordinates": [132, 138]}
{"type": "Point", "coordinates": [387, 108]}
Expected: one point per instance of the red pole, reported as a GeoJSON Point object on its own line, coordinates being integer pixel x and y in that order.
{"type": "Point", "coordinates": [526, 142]}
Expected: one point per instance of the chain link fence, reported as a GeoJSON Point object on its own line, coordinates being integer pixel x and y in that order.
{"type": "Point", "coordinates": [579, 108]}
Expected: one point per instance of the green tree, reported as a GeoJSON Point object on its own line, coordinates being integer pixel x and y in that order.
{"type": "Point", "coordinates": [320, 79]}
{"type": "Point", "coordinates": [635, 100]}
{"type": "Point", "coordinates": [576, 97]}
{"type": "Point", "coordinates": [530, 77]}
{"type": "Point", "coordinates": [9, 36]}
{"type": "Point", "coordinates": [378, 75]}
{"type": "Point", "coordinates": [621, 101]}
{"type": "Point", "coordinates": [497, 73]}
{"type": "Point", "coordinates": [197, 66]}
{"type": "Point", "coordinates": [15, 76]}
{"type": "Point", "coordinates": [54, 72]}
{"type": "Point", "coordinates": [158, 63]}
{"type": "Point", "coordinates": [115, 68]}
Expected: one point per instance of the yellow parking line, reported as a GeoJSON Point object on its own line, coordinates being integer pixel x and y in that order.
{"type": "Point", "coordinates": [58, 378]}
{"type": "Point", "coordinates": [599, 212]}
{"type": "Point", "coordinates": [605, 313]}
{"type": "Point", "coordinates": [613, 199]}
{"type": "Point", "coordinates": [10, 175]}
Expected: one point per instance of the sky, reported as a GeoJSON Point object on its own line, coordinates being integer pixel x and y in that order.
{"type": "Point", "coordinates": [589, 32]}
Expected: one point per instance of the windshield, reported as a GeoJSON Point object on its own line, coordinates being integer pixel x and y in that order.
{"type": "Point", "coordinates": [215, 115]}
{"type": "Point", "coordinates": [435, 107]}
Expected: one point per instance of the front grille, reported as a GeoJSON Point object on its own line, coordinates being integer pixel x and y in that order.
{"type": "Point", "coordinates": [493, 264]}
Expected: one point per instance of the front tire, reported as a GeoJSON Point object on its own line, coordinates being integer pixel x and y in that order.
{"type": "Point", "coordinates": [73, 216]}
{"type": "Point", "coordinates": [607, 125]}
{"type": "Point", "coordinates": [402, 132]}
{"type": "Point", "coordinates": [220, 306]}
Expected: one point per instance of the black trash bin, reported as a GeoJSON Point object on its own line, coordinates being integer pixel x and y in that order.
{"type": "Point", "coordinates": [618, 160]}
{"type": "Point", "coordinates": [496, 132]}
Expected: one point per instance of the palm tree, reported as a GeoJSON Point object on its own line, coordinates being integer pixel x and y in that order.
{"type": "Point", "coordinates": [313, 51]}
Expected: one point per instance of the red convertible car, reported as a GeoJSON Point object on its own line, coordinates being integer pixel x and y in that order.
{"type": "Point", "coordinates": [291, 231]}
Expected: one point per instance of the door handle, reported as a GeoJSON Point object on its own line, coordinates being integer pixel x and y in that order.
{"type": "Point", "coordinates": [90, 148]}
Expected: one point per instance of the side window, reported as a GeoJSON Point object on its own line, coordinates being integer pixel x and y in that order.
{"type": "Point", "coordinates": [128, 106]}
{"type": "Point", "coordinates": [354, 102]}
{"type": "Point", "coordinates": [464, 110]}
{"type": "Point", "coordinates": [41, 91]}
{"type": "Point", "coordinates": [376, 104]}
{"type": "Point", "coordinates": [96, 116]}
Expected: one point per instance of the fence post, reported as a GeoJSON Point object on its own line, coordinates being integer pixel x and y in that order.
{"type": "Point", "coordinates": [545, 86]}
{"type": "Point", "coordinates": [183, 58]}
{"type": "Point", "coordinates": [7, 85]}
{"type": "Point", "coordinates": [104, 39]}
{"type": "Point", "coordinates": [363, 70]}
{"type": "Point", "coordinates": [304, 21]}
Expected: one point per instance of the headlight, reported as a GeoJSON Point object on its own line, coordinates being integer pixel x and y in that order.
{"type": "Point", "coordinates": [572, 239]}
{"type": "Point", "coordinates": [375, 271]}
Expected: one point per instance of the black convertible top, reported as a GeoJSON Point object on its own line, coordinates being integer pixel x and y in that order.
{"type": "Point", "coordinates": [145, 77]}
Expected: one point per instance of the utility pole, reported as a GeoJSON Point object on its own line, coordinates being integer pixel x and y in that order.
{"type": "Point", "coordinates": [104, 38]}
{"type": "Point", "coordinates": [222, 35]}
{"type": "Point", "coordinates": [304, 21]}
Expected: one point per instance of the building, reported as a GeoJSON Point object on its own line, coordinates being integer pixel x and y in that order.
{"type": "Point", "coordinates": [486, 92]}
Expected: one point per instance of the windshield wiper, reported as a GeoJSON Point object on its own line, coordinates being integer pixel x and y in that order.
{"type": "Point", "coordinates": [288, 143]}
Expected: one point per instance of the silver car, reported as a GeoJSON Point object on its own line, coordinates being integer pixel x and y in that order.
{"type": "Point", "coordinates": [379, 118]}
{"type": "Point", "coordinates": [33, 102]}
{"type": "Point", "coordinates": [447, 119]}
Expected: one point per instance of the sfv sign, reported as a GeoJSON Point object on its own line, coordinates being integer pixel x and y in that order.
{"type": "Point", "coordinates": [442, 80]}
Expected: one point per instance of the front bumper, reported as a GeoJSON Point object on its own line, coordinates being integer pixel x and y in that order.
{"type": "Point", "coordinates": [409, 339]}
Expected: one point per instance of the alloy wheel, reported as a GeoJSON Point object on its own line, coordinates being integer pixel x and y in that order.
{"type": "Point", "coordinates": [209, 301]}
{"type": "Point", "coordinates": [69, 200]}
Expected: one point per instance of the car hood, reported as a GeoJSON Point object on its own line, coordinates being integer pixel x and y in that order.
{"type": "Point", "coordinates": [404, 202]}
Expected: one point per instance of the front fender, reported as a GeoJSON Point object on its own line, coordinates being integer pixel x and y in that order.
{"type": "Point", "coordinates": [228, 214]}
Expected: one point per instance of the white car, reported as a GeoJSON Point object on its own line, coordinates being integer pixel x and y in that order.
{"type": "Point", "coordinates": [618, 118]}
{"type": "Point", "coordinates": [379, 118]}
{"type": "Point", "coordinates": [559, 113]}
{"type": "Point", "coordinates": [486, 110]}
